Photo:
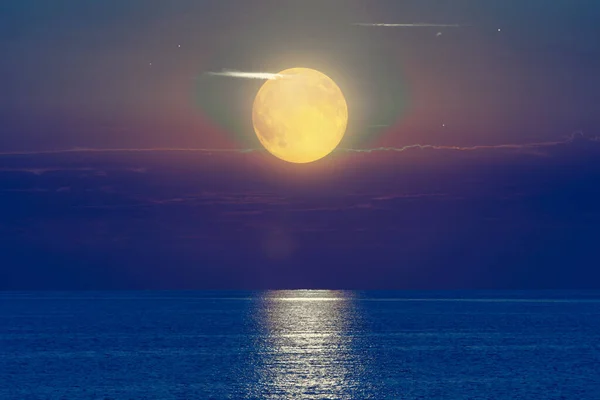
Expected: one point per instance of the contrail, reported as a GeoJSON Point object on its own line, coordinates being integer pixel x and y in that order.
{"type": "Point", "coordinates": [246, 75]}
{"type": "Point", "coordinates": [417, 25]}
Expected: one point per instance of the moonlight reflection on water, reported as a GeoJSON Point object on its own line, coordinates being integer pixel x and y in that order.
{"type": "Point", "coordinates": [307, 345]}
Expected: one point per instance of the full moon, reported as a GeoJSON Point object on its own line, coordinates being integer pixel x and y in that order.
{"type": "Point", "coordinates": [300, 116]}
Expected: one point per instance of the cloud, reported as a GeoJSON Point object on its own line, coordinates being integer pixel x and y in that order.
{"type": "Point", "coordinates": [246, 75]}
{"type": "Point", "coordinates": [45, 170]}
{"type": "Point", "coordinates": [417, 25]}
{"type": "Point", "coordinates": [26, 190]}
{"type": "Point", "coordinates": [123, 150]}
{"type": "Point", "coordinates": [529, 147]}
{"type": "Point", "coordinates": [209, 198]}
{"type": "Point", "coordinates": [41, 171]}
{"type": "Point", "coordinates": [408, 196]}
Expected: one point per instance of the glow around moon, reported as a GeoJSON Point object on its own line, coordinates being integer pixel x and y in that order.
{"type": "Point", "coordinates": [300, 117]}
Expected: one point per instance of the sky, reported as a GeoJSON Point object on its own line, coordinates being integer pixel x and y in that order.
{"type": "Point", "coordinates": [470, 161]}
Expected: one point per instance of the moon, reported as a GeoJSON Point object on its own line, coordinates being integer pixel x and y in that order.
{"type": "Point", "coordinates": [300, 116]}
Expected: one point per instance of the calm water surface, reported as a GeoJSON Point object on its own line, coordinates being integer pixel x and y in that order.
{"type": "Point", "coordinates": [300, 345]}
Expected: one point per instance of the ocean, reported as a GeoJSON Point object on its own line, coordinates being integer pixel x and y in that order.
{"type": "Point", "coordinates": [299, 345]}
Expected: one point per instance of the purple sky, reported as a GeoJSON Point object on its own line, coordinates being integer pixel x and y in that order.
{"type": "Point", "coordinates": [504, 193]}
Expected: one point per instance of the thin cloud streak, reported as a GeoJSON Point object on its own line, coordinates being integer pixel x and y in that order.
{"type": "Point", "coordinates": [130, 150]}
{"type": "Point", "coordinates": [522, 146]}
{"type": "Point", "coordinates": [45, 170]}
{"type": "Point", "coordinates": [246, 75]}
{"type": "Point", "coordinates": [417, 25]}
{"type": "Point", "coordinates": [41, 171]}
{"type": "Point", "coordinates": [569, 139]}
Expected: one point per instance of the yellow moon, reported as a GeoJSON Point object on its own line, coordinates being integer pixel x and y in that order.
{"type": "Point", "coordinates": [300, 116]}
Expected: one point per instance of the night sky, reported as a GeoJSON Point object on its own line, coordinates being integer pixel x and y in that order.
{"type": "Point", "coordinates": [471, 159]}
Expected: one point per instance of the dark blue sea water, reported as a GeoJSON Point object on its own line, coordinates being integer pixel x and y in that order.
{"type": "Point", "coordinates": [300, 345]}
